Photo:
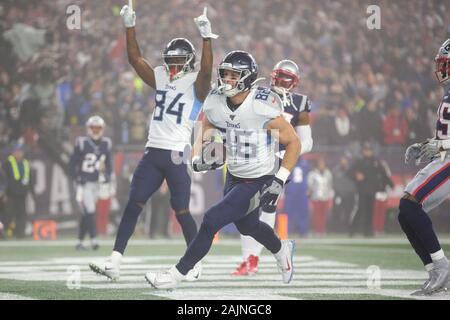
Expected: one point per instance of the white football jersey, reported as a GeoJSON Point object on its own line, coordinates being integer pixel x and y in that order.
{"type": "Point", "coordinates": [250, 149]}
{"type": "Point", "coordinates": [175, 112]}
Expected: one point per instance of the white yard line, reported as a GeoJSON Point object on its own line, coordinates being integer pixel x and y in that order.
{"type": "Point", "coordinates": [10, 296]}
{"type": "Point", "coordinates": [312, 276]}
{"type": "Point", "coordinates": [232, 242]}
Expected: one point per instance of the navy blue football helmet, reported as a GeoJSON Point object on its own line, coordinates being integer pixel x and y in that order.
{"type": "Point", "coordinates": [179, 58]}
{"type": "Point", "coordinates": [237, 61]}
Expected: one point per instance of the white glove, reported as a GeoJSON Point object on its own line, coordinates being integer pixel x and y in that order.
{"type": "Point", "coordinates": [128, 15]}
{"type": "Point", "coordinates": [412, 153]}
{"type": "Point", "coordinates": [79, 194]}
{"type": "Point", "coordinates": [204, 26]}
{"type": "Point", "coordinates": [430, 150]}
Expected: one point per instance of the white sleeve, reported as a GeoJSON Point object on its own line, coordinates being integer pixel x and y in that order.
{"type": "Point", "coordinates": [304, 133]}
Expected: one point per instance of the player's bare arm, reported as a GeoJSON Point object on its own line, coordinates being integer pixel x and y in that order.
{"type": "Point", "coordinates": [139, 64]}
{"type": "Point", "coordinates": [203, 82]}
{"type": "Point", "coordinates": [207, 131]}
{"type": "Point", "coordinates": [285, 133]}
{"type": "Point", "coordinates": [303, 119]}
{"type": "Point", "coordinates": [201, 161]}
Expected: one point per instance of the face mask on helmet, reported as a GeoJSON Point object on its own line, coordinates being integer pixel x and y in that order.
{"type": "Point", "coordinates": [283, 80]}
{"type": "Point", "coordinates": [442, 68]}
{"type": "Point", "coordinates": [442, 61]}
{"type": "Point", "coordinates": [231, 81]}
{"type": "Point", "coordinates": [95, 132]}
{"type": "Point", "coordinates": [95, 127]}
{"type": "Point", "coordinates": [177, 65]}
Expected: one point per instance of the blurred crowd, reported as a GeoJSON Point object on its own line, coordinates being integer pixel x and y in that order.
{"type": "Point", "coordinates": [365, 85]}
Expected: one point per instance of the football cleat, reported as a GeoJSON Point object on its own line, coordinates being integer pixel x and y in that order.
{"type": "Point", "coordinates": [80, 247]}
{"type": "Point", "coordinates": [106, 268]}
{"type": "Point", "coordinates": [285, 260]}
{"type": "Point", "coordinates": [440, 275]}
{"type": "Point", "coordinates": [252, 265]}
{"type": "Point", "coordinates": [195, 273]}
{"type": "Point", "coordinates": [421, 291]}
{"type": "Point", "coordinates": [168, 279]}
{"type": "Point", "coordinates": [241, 269]}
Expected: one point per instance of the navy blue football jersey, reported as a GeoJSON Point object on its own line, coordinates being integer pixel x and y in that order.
{"type": "Point", "coordinates": [298, 103]}
{"type": "Point", "coordinates": [443, 118]}
{"type": "Point", "coordinates": [90, 158]}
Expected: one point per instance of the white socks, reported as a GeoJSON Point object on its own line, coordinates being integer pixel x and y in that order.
{"type": "Point", "coordinates": [249, 245]}
{"type": "Point", "coordinates": [116, 258]}
{"type": "Point", "coordinates": [429, 267]}
{"type": "Point", "coordinates": [438, 255]}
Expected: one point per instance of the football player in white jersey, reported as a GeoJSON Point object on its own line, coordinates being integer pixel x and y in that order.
{"type": "Point", "coordinates": [296, 107]}
{"type": "Point", "coordinates": [251, 124]}
{"type": "Point", "coordinates": [180, 92]}
{"type": "Point", "coordinates": [429, 188]}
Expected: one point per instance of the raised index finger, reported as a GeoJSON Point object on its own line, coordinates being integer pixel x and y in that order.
{"type": "Point", "coordinates": [130, 4]}
{"type": "Point", "coordinates": [205, 10]}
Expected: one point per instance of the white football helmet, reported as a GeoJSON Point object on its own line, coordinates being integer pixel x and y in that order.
{"type": "Point", "coordinates": [95, 127]}
{"type": "Point", "coordinates": [285, 76]}
{"type": "Point", "coordinates": [442, 61]}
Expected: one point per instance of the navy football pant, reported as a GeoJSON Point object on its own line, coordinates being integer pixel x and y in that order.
{"type": "Point", "coordinates": [155, 166]}
{"type": "Point", "coordinates": [240, 205]}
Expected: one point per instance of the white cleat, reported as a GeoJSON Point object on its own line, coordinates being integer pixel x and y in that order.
{"type": "Point", "coordinates": [106, 268]}
{"type": "Point", "coordinates": [195, 273]}
{"type": "Point", "coordinates": [285, 260]}
{"type": "Point", "coordinates": [168, 279]}
{"type": "Point", "coordinates": [421, 291]}
{"type": "Point", "coordinates": [440, 275]}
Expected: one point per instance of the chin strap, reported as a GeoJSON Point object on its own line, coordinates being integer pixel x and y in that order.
{"type": "Point", "coordinates": [257, 80]}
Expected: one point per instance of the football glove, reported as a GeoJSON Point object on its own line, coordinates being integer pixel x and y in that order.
{"type": "Point", "coordinates": [198, 165]}
{"type": "Point", "coordinates": [412, 153]}
{"type": "Point", "coordinates": [204, 26]}
{"type": "Point", "coordinates": [430, 150]}
{"type": "Point", "coordinates": [270, 193]}
{"type": "Point", "coordinates": [128, 15]}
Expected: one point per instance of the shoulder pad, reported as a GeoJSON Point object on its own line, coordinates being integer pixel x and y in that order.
{"type": "Point", "coordinates": [268, 98]}
{"type": "Point", "coordinates": [80, 141]}
{"type": "Point", "coordinates": [269, 106]}
{"type": "Point", "coordinates": [212, 100]}
{"type": "Point", "coordinates": [301, 102]}
{"type": "Point", "coordinates": [108, 142]}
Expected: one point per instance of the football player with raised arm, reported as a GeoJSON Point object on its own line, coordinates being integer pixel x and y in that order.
{"type": "Point", "coordinates": [180, 92]}
{"type": "Point", "coordinates": [429, 188]}
{"type": "Point", "coordinates": [251, 124]}
{"type": "Point", "coordinates": [296, 107]}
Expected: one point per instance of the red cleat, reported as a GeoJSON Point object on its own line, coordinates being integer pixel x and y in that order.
{"type": "Point", "coordinates": [241, 270]}
{"type": "Point", "coordinates": [252, 265]}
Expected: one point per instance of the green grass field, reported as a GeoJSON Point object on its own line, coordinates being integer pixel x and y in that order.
{"type": "Point", "coordinates": [325, 268]}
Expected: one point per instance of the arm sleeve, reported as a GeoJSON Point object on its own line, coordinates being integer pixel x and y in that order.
{"type": "Point", "coordinates": [304, 133]}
